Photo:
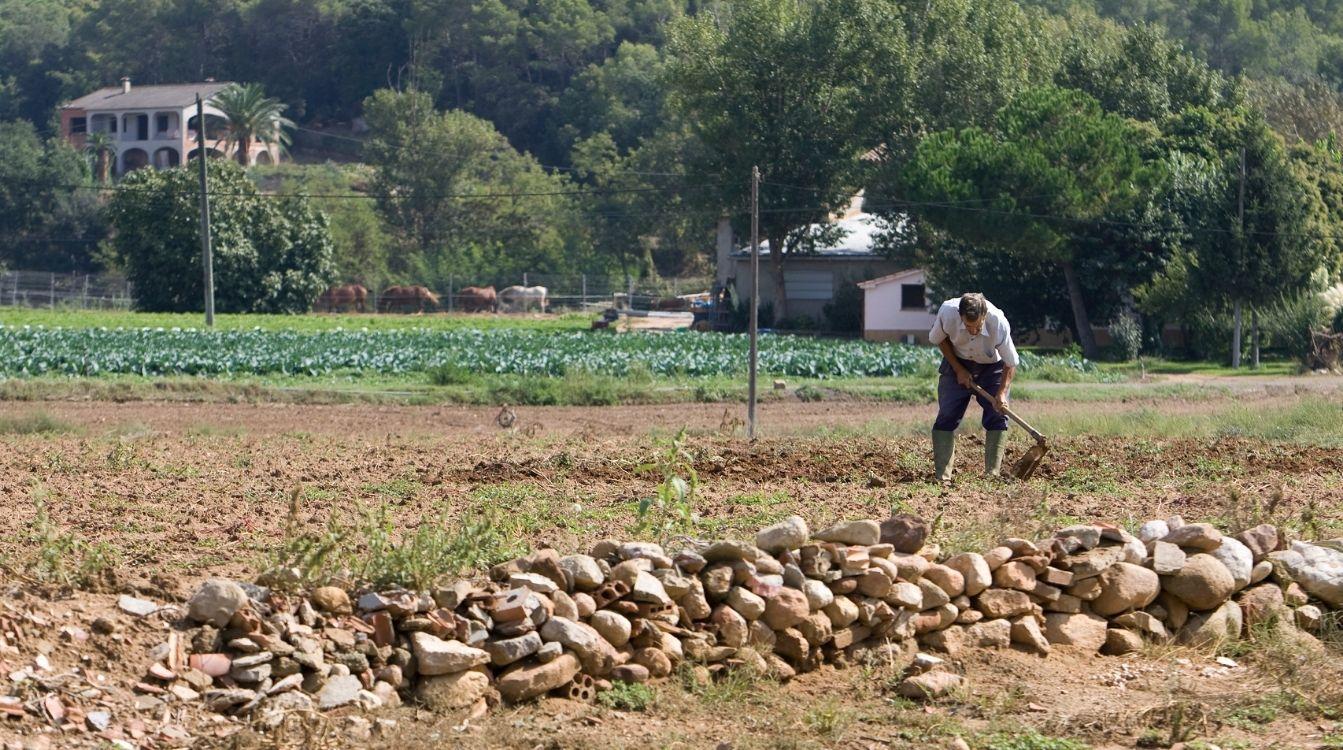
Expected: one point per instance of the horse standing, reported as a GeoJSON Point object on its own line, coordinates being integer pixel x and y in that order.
{"type": "Point", "coordinates": [521, 298]}
{"type": "Point", "coordinates": [343, 298]}
{"type": "Point", "coordinates": [407, 299]}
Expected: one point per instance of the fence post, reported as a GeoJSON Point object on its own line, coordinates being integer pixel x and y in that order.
{"type": "Point", "coordinates": [84, 300]}
{"type": "Point", "coordinates": [450, 292]}
{"type": "Point", "coordinates": [52, 292]}
{"type": "Point", "coordinates": [584, 301]}
{"type": "Point", "coordinates": [524, 278]}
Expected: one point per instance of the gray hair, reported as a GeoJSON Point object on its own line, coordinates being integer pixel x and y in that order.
{"type": "Point", "coordinates": [973, 306]}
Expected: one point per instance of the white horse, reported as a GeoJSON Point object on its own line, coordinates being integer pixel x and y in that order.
{"type": "Point", "coordinates": [521, 298]}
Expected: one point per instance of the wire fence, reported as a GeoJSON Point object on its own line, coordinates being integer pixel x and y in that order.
{"type": "Point", "coordinates": [79, 291]}
{"type": "Point", "coordinates": [108, 291]}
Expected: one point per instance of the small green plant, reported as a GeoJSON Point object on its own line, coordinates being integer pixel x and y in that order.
{"type": "Point", "coordinates": [1127, 337]}
{"type": "Point", "coordinates": [61, 558]}
{"type": "Point", "coordinates": [302, 558]}
{"type": "Point", "coordinates": [122, 456]}
{"type": "Point", "coordinates": [810, 393]}
{"type": "Point", "coordinates": [34, 423]}
{"type": "Point", "coordinates": [436, 548]}
{"type": "Point", "coordinates": [449, 373]}
{"type": "Point", "coordinates": [828, 718]}
{"type": "Point", "coordinates": [671, 509]}
{"type": "Point", "coordinates": [627, 696]}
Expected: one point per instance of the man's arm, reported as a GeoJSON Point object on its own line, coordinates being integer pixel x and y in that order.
{"type": "Point", "coordinates": [962, 375]}
{"type": "Point", "coordinates": [1008, 351]}
{"type": "Point", "coordinates": [1008, 372]}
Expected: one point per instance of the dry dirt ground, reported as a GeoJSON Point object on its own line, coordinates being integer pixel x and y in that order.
{"type": "Point", "coordinates": [183, 491]}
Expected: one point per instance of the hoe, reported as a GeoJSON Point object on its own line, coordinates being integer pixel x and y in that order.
{"type": "Point", "coordinates": [1028, 463]}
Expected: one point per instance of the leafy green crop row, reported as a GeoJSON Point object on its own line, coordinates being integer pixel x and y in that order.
{"type": "Point", "coordinates": [27, 351]}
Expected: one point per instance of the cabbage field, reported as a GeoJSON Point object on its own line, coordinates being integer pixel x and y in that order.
{"type": "Point", "coordinates": [37, 350]}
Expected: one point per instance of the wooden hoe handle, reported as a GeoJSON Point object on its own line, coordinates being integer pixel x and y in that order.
{"type": "Point", "coordinates": [1008, 411]}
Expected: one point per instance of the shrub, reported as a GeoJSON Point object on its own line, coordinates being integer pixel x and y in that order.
{"type": "Point", "coordinates": [627, 696]}
{"type": "Point", "coordinates": [1127, 337]}
{"type": "Point", "coordinates": [1287, 325]}
{"type": "Point", "coordinates": [845, 311]}
{"type": "Point", "coordinates": [269, 255]}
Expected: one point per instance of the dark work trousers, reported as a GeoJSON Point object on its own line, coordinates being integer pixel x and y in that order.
{"type": "Point", "coordinates": [953, 398]}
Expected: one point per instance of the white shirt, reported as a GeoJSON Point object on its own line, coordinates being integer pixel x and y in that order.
{"type": "Point", "coordinates": [991, 344]}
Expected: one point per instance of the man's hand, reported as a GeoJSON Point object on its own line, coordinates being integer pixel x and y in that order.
{"type": "Point", "coordinates": [964, 377]}
{"type": "Point", "coordinates": [1000, 401]}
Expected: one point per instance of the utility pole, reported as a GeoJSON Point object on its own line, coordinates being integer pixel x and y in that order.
{"type": "Point", "coordinates": [755, 299]}
{"type": "Point", "coordinates": [1240, 254]}
{"type": "Point", "coordinates": [207, 259]}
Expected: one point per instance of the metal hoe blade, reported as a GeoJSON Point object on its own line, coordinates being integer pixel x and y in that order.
{"type": "Point", "coordinates": [1030, 461]}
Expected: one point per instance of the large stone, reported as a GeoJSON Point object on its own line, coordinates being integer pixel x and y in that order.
{"type": "Point", "coordinates": [818, 594]}
{"type": "Point", "coordinates": [505, 652]}
{"type": "Point", "coordinates": [862, 533]}
{"type": "Point", "coordinates": [331, 599]}
{"type": "Point", "coordinates": [790, 533]}
{"type": "Point", "coordinates": [933, 595]}
{"type": "Point", "coordinates": [1167, 558]}
{"type": "Point", "coordinates": [947, 578]}
{"type": "Point", "coordinates": [1125, 587]}
{"type": "Point", "coordinates": [996, 603]}
{"type": "Point", "coordinates": [1015, 575]}
{"type": "Point", "coordinates": [746, 603]}
{"type": "Point", "coordinates": [1262, 603]}
{"type": "Point", "coordinates": [990, 634]}
{"type": "Point", "coordinates": [733, 630]}
{"type": "Point", "coordinates": [1085, 536]}
{"type": "Point", "coordinates": [1260, 540]}
{"type": "Point", "coordinates": [906, 533]}
{"type": "Point", "coordinates": [1082, 631]}
{"type": "Point", "coordinates": [1203, 583]}
{"type": "Point", "coordinates": [786, 608]}
{"type": "Point", "coordinates": [1153, 530]}
{"type": "Point", "coordinates": [1237, 558]}
{"type": "Point", "coordinates": [842, 612]}
{"type": "Point", "coordinates": [1026, 632]}
{"type": "Point", "coordinates": [216, 601]}
{"type": "Point", "coordinates": [1211, 628]}
{"type": "Point", "coordinates": [435, 656]}
{"type": "Point", "coordinates": [906, 595]}
{"type": "Point", "coordinates": [648, 589]}
{"type": "Point", "coordinates": [1093, 562]}
{"type": "Point", "coordinates": [974, 570]}
{"type": "Point", "coordinates": [731, 550]}
{"type": "Point", "coordinates": [584, 571]}
{"type": "Point", "coordinates": [1319, 570]}
{"type": "Point", "coordinates": [951, 641]}
{"type": "Point", "coordinates": [612, 626]}
{"type": "Point", "coordinates": [929, 685]}
{"type": "Point", "coordinates": [1143, 622]}
{"type": "Point", "coordinates": [453, 691]}
{"type": "Point", "coordinates": [1119, 642]}
{"type": "Point", "coordinates": [339, 691]}
{"type": "Point", "coordinates": [1198, 536]}
{"type": "Point", "coordinates": [529, 681]}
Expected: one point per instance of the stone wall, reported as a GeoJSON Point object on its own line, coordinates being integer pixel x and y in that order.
{"type": "Point", "coordinates": [789, 601]}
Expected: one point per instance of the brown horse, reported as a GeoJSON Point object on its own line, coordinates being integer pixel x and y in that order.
{"type": "Point", "coordinates": [345, 298]}
{"type": "Point", "coordinates": [407, 299]}
{"type": "Point", "coordinates": [478, 299]}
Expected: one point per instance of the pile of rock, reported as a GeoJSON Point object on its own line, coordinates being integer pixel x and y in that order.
{"type": "Point", "coordinates": [789, 601]}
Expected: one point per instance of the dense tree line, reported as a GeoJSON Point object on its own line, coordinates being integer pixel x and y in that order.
{"type": "Point", "coordinates": [1078, 160]}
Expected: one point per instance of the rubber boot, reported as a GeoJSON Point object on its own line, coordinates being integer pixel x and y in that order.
{"type": "Point", "coordinates": [995, 444]}
{"type": "Point", "coordinates": [944, 454]}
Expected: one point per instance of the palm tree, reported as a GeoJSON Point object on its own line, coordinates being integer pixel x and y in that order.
{"type": "Point", "coordinates": [252, 115]}
{"type": "Point", "coordinates": [100, 146]}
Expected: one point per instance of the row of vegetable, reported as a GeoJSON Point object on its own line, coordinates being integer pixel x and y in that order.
{"type": "Point", "coordinates": [36, 350]}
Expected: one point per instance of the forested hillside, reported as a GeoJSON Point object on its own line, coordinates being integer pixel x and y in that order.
{"type": "Point", "coordinates": [1123, 158]}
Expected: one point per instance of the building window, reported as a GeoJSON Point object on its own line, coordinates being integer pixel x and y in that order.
{"type": "Point", "coordinates": [912, 297]}
{"type": "Point", "coordinates": [161, 122]}
{"type": "Point", "coordinates": [79, 125]}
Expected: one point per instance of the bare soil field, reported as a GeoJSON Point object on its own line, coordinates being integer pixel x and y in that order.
{"type": "Point", "coordinates": [179, 492]}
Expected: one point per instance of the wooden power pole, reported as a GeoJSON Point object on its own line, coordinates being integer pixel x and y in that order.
{"type": "Point", "coordinates": [207, 258]}
{"type": "Point", "coordinates": [1240, 257]}
{"type": "Point", "coordinates": [755, 299]}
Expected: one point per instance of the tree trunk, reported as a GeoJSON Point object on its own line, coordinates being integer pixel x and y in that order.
{"type": "Point", "coordinates": [776, 263]}
{"type": "Point", "coordinates": [1254, 335]}
{"type": "Point", "coordinates": [100, 166]}
{"type": "Point", "coordinates": [1081, 320]}
{"type": "Point", "coordinates": [244, 146]}
{"type": "Point", "coordinates": [1235, 336]}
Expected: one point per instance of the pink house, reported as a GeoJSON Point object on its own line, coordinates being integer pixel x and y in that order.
{"type": "Point", "coordinates": [154, 125]}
